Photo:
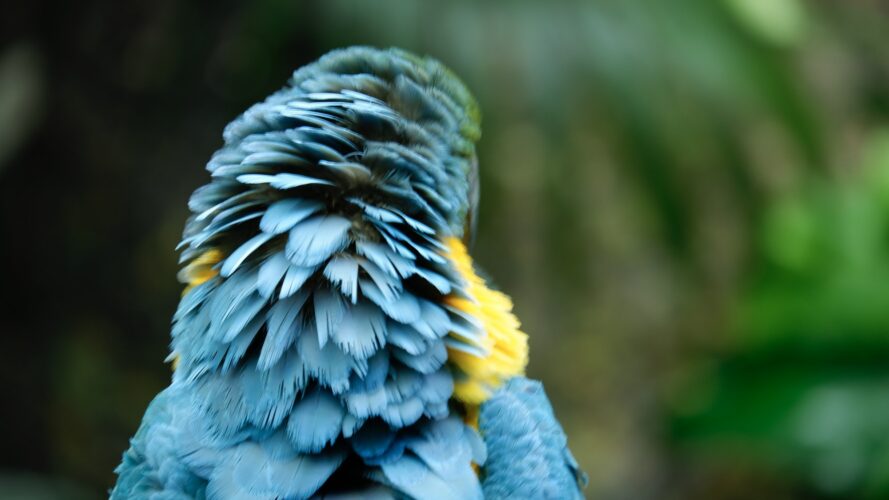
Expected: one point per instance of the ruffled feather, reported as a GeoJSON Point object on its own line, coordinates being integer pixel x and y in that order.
{"type": "Point", "coordinates": [313, 330]}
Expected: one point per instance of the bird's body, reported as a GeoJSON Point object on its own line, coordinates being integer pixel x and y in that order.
{"type": "Point", "coordinates": [334, 339]}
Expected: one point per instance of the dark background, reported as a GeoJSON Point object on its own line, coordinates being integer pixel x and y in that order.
{"type": "Point", "coordinates": [687, 199]}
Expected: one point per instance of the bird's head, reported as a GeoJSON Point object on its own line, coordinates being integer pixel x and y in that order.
{"type": "Point", "coordinates": [359, 131]}
{"type": "Point", "coordinates": [345, 194]}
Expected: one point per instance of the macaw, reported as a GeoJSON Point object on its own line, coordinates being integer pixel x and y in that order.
{"type": "Point", "coordinates": [334, 338]}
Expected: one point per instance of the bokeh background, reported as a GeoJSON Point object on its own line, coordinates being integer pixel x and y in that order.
{"type": "Point", "coordinates": [687, 199]}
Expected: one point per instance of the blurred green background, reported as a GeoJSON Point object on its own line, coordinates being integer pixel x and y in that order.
{"type": "Point", "coordinates": [687, 199]}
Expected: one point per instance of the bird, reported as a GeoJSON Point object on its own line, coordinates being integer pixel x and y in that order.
{"type": "Point", "coordinates": [334, 338]}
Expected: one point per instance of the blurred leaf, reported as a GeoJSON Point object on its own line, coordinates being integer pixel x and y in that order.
{"type": "Point", "coordinates": [782, 22]}
{"type": "Point", "coordinates": [805, 385]}
{"type": "Point", "coordinates": [21, 96]}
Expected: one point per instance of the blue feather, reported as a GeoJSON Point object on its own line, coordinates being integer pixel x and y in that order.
{"type": "Point", "coordinates": [282, 215]}
{"type": "Point", "coordinates": [377, 371]}
{"type": "Point", "coordinates": [152, 466]}
{"type": "Point", "coordinates": [389, 286]}
{"type": "Point", "coordinates": [342, 271]}
{"type": "Point", "coordinates": [434, 322]}
{"type": "Point", "coordinates": [275, 158]}
{"type": "Point", "coordinates": [329, 311]}
{"type": "Point", "coordinates": [402, 384]}
{"type": "Point", "coordinates": [270, 274]}
{"type": "Point", "coordinates": [282, 181]}
{"type": "Point", "coordinates": [233, 299]}
{"type": "Point", "coordinates": [403, 413]}
{"type": "Point", "coordinates": [238, 256]}
{"type": "Point", "coordinates": [315, 421]}
{"type": "Point", "coordinates": [320, 151]}
{"type": "Point", "coordinates": [437, 387]}
{"type": "Point", "coordinates": [378, 213]}
{"type": "Point", "coordinates": [227, 202]}
{"type": "Point", "coordinates": [439, 282]}
{"type": "Point", "coordinates": [362, 331]}
{"type": "Point", "coordinates": [329, 365]}
{"type": "Point", "coordinates": [236, 322]}
{"type": "Point", "coordinates": [238, 347]}
{"type": "Point", "coordinates": [466, 326]}
{"type": "Point", "coordinates": [407, 338]}
{"type": "Point", "coordinates": [351, 173]}
{"type": "Point", "coordinates": [343, 137]}
{"type": "Point", "coordinates": [387, 260]}
{"type": "Point", "coordinates": [443, 453]}
{"type": "Point", "coordinates": [414, 223]}
{"type": "Point", "coordinates": [411, 476]}
{"type": "Point", "coordinates": [282, 330]}
{"type": "Point", "coordinates": [194, 298]}
{"type": "Point", "coordinates": [274, 141]}
{"type": "Point", "coordinates": [373, 440]}
{"type": "Point", "coordinates": [401, 250]}
{"type": "Point", "coordinates": [351, 424]}
{"type": "Point", "coordinates": [427, 362]}
{"type": "Point", "coordinates": [215, 229]}
{"type": "Point", "coordinates": [295, 278]}
{"type": "Point", "coordinates": [253, 471]}
{"type": "Point", "coordinates": [366, 403]}
{"type": "Point", "coordinates": [313, 241]}
{"type": "Point", "coordinates": [467, 347]}
{"type": "Point", "coordinates": [528, 455]}
{"type": "Point", "coordinates": [404, 308]}
{"type": "Point", "coordinates": [232, 213]}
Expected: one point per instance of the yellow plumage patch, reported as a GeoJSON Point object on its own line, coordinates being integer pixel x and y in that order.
{"type": "Point", "coordinates": [505, 345]}
{"type": "Point", "coordinates": [200, 270]}
{"type": "Point", "coordinates": [197, 272]}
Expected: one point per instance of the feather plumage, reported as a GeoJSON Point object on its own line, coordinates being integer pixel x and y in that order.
{"type": "Point", "coordinates": [313, 338]}
{"type": "Point", "coordinates": [528, 455]}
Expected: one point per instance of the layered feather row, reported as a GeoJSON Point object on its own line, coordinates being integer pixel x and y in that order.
{"type": "Point", "coordinates": [315, 328]}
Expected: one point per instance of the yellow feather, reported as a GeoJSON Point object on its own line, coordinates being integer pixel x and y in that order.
{"type": "Point", "coordinates": [505, 345]}
{"type": "Point", "coordinates": [200, 270]}
{"type": "Point", "coordinates": [197, 272]}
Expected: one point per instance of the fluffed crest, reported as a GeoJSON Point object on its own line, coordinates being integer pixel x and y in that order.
{"type": "Point", "coordinates": [314, 330]}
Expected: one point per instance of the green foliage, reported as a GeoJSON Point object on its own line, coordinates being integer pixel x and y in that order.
{"type": "Point", "coordinates": [803, 383]}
